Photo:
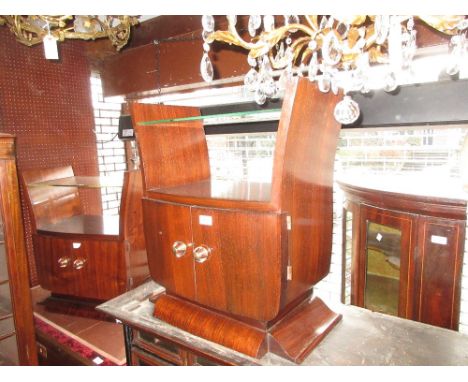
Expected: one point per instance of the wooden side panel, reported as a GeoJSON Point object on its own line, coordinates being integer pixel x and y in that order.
{"type": "Point", "coordinates": [131, 227]}
{"type": "Point", "coordinates": [102, 277]}
{"type": "Point", "coordinates": [242, 275]}
{"type": "Point", "coordinates": [165, 224]}
{"type": "Point", "coordinates": [355, 245]}
{"type": "Point", "coordinates": [303, 180]}
{"type": "Point", "coordinates": [16, 253]}
{"type": "Point", "coordinates": [172, 153]}
{"type": "Point", "coordinates": [439, 273]}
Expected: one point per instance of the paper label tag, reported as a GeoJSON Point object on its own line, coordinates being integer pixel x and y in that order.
{"type": "Point", "coordinates": [127, 133]}
{"type": "Point", "coordinates": [438, 239]}
{"type": "Point", "coordinates": [98, 360]}
{"type": "Point", "coordinates": [205, 220]}
{"type": "Point", "coordinates": [379, 237]}
{"type": "Point", "coordinates": [288, 222]}
{"type": "Point", "coordinates": [50, 47]}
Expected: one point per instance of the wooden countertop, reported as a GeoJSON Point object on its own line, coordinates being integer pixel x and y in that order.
{"type": "Point", "coordinates": [219, 193]}
{"type": "Point", "coordinates": [83, 225]}
{"type": "Point", "coordinates": [361, 338]}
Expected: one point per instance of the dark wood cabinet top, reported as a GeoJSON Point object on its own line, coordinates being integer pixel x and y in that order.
{"type": "Point", "coordinates": [431, 197]}
{"type": "Point", "coordinates": [102, 227]}
{"type": "Point", "coordinates": [416, 187]}
{"type": "Point", "coordinates": [220, 193]}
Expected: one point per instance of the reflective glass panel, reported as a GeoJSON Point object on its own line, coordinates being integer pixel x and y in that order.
{"type": "Point", "coordinates": [383, 249]}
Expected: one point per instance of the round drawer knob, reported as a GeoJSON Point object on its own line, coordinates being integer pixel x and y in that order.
{"type": "Point", "coordinates": [179, 248]}
{"type": "Point", "coordinates": [201, 253]}
{"type": "Point", "coordinates": [79, 263]}
{"type": "Point", "coordinates": [63, 262]}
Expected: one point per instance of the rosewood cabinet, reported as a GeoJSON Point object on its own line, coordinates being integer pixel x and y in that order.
{"type": "Point", "coordinates": [17, 340]}
{"type": "Point", "coordinates": [239, 259]}
{"type": "Point", "coordinates": [81, 256]}
{"type": "Point", "coordinates": [406, 253]}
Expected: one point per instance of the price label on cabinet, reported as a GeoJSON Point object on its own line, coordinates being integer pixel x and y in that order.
{"type": "Point", "coordinates": [439, 240]}
{"type": "Point", "coordinates": [205, 220]}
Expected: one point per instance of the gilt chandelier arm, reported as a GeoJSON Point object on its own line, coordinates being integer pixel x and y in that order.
{"type": "Point", "coordinates": [32, 29]}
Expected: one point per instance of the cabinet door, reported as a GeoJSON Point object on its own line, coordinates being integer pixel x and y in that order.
{"type": "Point", "coordinates": [384, 261]}
{"type": "Point", "coordinates": [242, 273]}
{"type": "Point", "coordinates": [438, 271]}
{"type": "Point", "coordinates": [167, 225]}
{"type": "Point", "coordinates": [83, 268]}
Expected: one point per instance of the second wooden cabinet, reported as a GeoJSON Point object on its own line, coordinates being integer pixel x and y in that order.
{"type": "Point", "coordinates": [406, 254]}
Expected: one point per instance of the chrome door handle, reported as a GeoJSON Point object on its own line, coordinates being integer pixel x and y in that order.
{"type": "Point", "coordinates": [179, 248]}
{"type": "Point", "coordinates": [79, 263]}
{"type": "Point", "coordinates": [201, 253]}
{"type": "Point", "coordinates": [63, 262]}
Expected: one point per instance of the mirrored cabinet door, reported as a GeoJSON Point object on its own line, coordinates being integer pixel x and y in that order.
{"type": "Point", "coordinates": [383, 263]}
{"type": "Point", "coordinates": [384, 257]}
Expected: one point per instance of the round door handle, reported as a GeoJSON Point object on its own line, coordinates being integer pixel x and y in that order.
{"type": "Point", "coordinates": [64, 262]}
{"type": "Point", "coordinates": [79, 263]}
{"type": "Point", "coordinates": [179, 248]}
{"type": "Point", "coordinates": [201, 253]}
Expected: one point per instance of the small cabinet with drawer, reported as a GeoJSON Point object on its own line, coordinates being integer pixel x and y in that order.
{"type": "Point", "coordinates": [89, 268]}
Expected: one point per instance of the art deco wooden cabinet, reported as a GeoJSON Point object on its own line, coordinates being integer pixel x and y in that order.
{"type": "Point", "coordinates": [80, 256]}
{"type": "Point", "coordinates": [239, 259]}
{"type": "Point", "coordinates": [17, 342]}
{"type": "Point", "coordinates": [406, 251]}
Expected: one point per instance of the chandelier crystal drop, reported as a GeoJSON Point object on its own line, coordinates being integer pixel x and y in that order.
{"type": "Point", "coordinates": [335, 51]}
{"type": "Point", "coordinates": [346, 111]}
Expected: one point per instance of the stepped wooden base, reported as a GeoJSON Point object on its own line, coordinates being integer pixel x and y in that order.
{"type": "Point", "coordinates": [293, 337]}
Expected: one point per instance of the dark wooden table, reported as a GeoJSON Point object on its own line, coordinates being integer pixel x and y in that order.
{"type": "Point", "coordinates": [361, 338]}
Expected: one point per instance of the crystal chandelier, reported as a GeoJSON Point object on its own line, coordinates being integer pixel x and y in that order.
{"type": "Point", "coordinates": [35, 29]}
{"type": "Point", "coordinates": [335, 52]}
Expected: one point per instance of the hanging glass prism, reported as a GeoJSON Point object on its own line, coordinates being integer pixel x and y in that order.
{"type": "Point", "coordinates": [208, 23]}
{"type": "Point", "coordinates": [268, 23]}
{"type": "Point", "coordinates": [260, 97]}
{"type": "Point", "coordinates": [251, 80]}
{"type": "Point", "coordinates": [346, 111]}
{"type": "Point", "coordinates": [206, 68]}
{"type": "Point", "coordinates": [254, 23]}
{"type": "Point", "coordinates": [390, 82]}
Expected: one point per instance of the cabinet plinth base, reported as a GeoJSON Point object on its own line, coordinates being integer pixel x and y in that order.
{"type": "Point", "coordinates": [293, 337]}
{"type": "Point", "coordinates": [302, 329]}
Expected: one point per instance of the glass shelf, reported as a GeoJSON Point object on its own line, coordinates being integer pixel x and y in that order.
{"type": "Point", "coordinates": [215, 119]}
{"type": "Point", "coordinates": [82, 182]}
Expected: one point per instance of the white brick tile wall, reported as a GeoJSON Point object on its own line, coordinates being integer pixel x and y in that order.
{"type": "Point", "coordinates": [110, 150]}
